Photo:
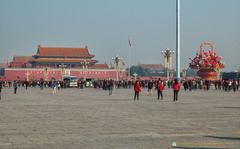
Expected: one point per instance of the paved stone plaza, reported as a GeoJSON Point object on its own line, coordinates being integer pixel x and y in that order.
{"type": "Point", "coordinates": [91, 119]}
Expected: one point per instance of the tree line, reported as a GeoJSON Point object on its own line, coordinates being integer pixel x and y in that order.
{"type": "Point", "coordinates": [145, 72]}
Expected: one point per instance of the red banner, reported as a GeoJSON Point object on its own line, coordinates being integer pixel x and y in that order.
{"type": "Point", "coordinates": [41, 72]}
{"type": "Point", "coordinates": [94, 72]}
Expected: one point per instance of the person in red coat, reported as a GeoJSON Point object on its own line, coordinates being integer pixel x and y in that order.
{"type": "Point", "coordinates": [0, 89]}
{"type": "Point", "coordinates": [176, 88]}
{"type": "Point", "coordinates": [159, 87]}
{"type": "Point", "coordinates": [137, 89]}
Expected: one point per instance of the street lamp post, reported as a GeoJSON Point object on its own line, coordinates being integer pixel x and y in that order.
{"type": "Point", "coordinates": [167, 60]}
{"type": "Point", "coordinates": [135, 76]}
{"type": "Point", "coordinates": [62, 66]}
{"type": "Point", "coordinates": [46, 72]}
{"type": "Point", "coordinates": [171, 73]}
{"type": "Point", "coordinates": [184, 73]}
{"type": "Point", "coordinates": [218, 74]}
{"type": "Point", "coordinates": [121, 74]}
{"type": "Point", "coordinates": [27, 74]}
{"type": "Point", "coordinates": [117, 65]}
{"type": "Point", "coordinates": [85, 68]}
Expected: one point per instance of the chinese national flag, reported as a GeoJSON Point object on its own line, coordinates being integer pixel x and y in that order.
{"type": "Point", "coordinates": [123, 64]}
{"type": "Point", "coordinates": [21, 62]}
{"type": "Point", "coordinates": [129, 42]}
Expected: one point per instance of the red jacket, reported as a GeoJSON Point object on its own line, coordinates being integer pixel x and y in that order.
{"type": "Point", "coordinates": [137, 87]}
{"type": "Point", "coordinates": [175, 86]}
{"type": "Point", "coordinates": [159, 87]}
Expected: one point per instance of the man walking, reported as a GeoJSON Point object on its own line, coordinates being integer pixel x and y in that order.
{"type": "Point", "coordinates": [150, 86]}
{"type": "Point", "coordinates": [110, 86]}
{"type": "Point", "coordinates": [0, 89]}
{"type": "Point", "coordinates": [15, 86]}
{"type": "Point", "coordinates": [26, 84]}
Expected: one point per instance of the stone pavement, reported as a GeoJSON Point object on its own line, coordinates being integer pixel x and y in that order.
{"type": "Point", "coordinates": [91, 119]}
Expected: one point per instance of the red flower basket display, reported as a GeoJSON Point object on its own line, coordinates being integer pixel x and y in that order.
{"type": "Point", "coordinates": [206, 62]}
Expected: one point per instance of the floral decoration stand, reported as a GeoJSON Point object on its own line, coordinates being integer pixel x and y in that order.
{"type": "Point", "coordinates": [207, 63]}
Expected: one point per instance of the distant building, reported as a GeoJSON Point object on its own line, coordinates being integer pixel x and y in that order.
{"type": "Point", "coordinates": [53, 57]}
{"type": "Point", "coordinates": [2, 68]}
{"type": "Point", "coordinates": [33, 67]}
{"type": "Point", "coordinates": [21, 62]}
{"type": "Point", "coordinates": [154, 68]}
{"type": "Point", "coordinates": [100, 66]}
{"type": "Point", "coordinates": [3, 65]}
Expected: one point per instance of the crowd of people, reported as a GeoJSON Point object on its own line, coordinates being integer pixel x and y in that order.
{"type": "Point", "coordinates": [225, 85]}
{"type": "Point", "coordinates": [206, 85]}
{"type": "Point", "coordinates": [109, 84]}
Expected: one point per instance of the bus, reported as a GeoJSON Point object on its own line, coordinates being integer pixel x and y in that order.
{"type": "Point", "coordinates": [231, 76]}
{"type": "Point", "coordinates": [70, 81]}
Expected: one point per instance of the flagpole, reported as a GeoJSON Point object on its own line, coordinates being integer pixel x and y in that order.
{"type": "Point", "coordinates": [129, 46]}
{"type": "Point", "coordinates": [178, 38]}
{"type": "Point", "coordinates": [129, 63]}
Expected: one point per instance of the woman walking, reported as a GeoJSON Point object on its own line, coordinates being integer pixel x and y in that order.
{"type": "Point", "coordinates": [159, 87]}
{"type": "Point", "coordinates": [54, 87]}
{"type": "Point", "coordinates": [176, 88]}
{"type": "Point", "coordinates": [137, 89]}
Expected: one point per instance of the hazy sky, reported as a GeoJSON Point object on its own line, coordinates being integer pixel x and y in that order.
{"type": "Point", "coordinates": [104, 26]}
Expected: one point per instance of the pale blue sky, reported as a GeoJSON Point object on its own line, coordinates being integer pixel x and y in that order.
{"type": "Point", "coordinates": [104, 26]}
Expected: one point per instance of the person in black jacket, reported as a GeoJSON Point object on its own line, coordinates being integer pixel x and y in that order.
{"type": "Point", "coordinates": [26, 84]}
{"type": "Point", "coordinates": [109, 85]}
{"type": "Point", "coordinates": [150, 86]}
{"type": "Point", "coordinates": [0, 89]}
{"type": "Point", "coordinates": [185, 84]}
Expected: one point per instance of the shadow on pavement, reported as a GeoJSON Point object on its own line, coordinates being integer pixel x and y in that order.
{"type": "Point", "coordinates": [226, 138]}
{"type": "Point", "coordinates": [199, 148]}
{"type": "Point", "coordinates": [232, 107]}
